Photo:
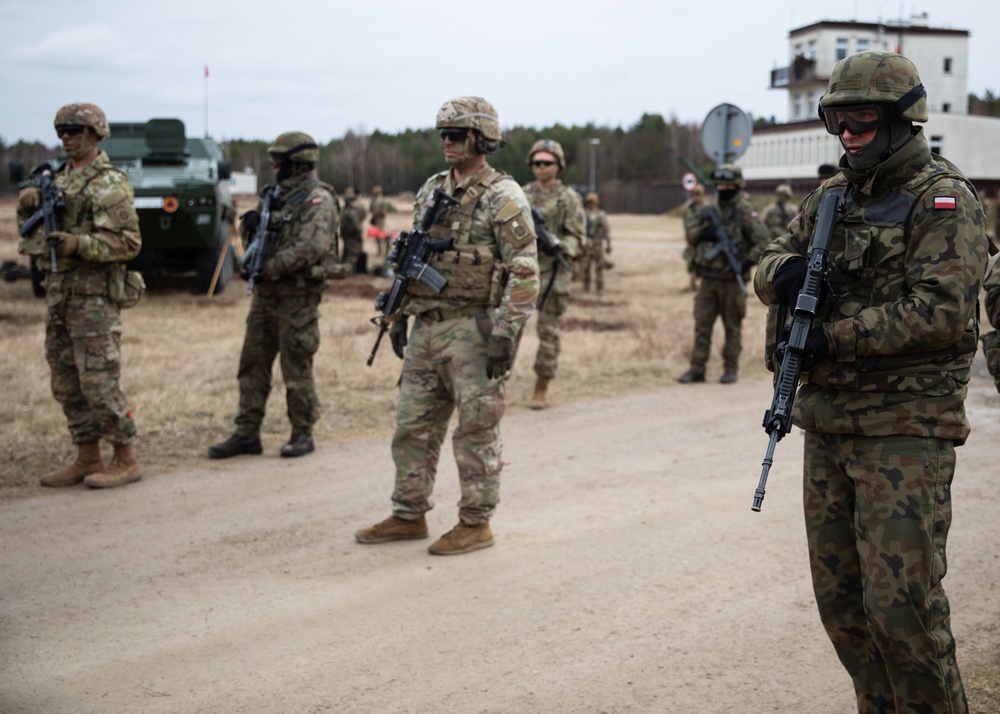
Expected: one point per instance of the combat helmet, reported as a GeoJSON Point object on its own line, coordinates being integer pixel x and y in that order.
{"type": "Point", "coordinates": [472, 113]}
{"type": "Point", "coordinates": [885, 82]}
{"type": "Point", "coordinates": [728, 173]}
{"type": "Point", "coordinates": [84, 115]}
{"type": "Point", "coordinates": [553, 147]}
{"type": "Point", "coordinates": [592, 199]}
{"type": "Point", "coordinates": [784, 190]}
{"type": "Point", "coordinates": [295, 146]}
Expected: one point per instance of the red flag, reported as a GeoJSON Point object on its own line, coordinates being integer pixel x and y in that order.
{"type": "Point", "coordinates": [206, 71]}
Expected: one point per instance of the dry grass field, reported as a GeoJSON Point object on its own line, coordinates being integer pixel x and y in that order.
{"type": "Point", "coordinates": [180, 354]}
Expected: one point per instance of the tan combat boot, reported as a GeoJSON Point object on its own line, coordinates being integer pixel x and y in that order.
{"type": "Point", "coordinates": [123, 469]}
{"type": "Point", "coordinates": [463, 539]}
{"type": "Point", "coordinates": [88, 461]}
{"type": "Point", "coordinates": [538, 400]}
{"type": "Point", "coordinates": [393, 528]}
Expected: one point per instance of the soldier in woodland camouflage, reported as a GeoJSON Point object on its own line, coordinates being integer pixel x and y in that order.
{"type": "Point", "coordinates": [565, 220]}
{"type": "Point", "coordinates": [284, 313]}
{"type": "Point", "coordinates": [719, 294]}
{"type": "Point", "coordinates": [776, 216]}
{"type": "Point", "coordinates": [598, 243]}
{"type": "Point", "coordinates": [692, 230]}
{"type": "Point", "coordinates": [991, 340]}
{"type": "Point", "coordinates": [888, 363]}
{"type": "Point", "coordinates": [462, 344]}
{"type": "Point", "coordinates": [379, 209]}
{"type": "Point", "coordinates": [351, 220]}
{"type": "Point", "coordinates": [98, 232]}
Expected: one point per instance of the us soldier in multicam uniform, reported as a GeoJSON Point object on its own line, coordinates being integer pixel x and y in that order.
{"type": "Point", "coordinates": [598, 243]}
{"type": "Point", "coordinates": [692, 230]}
{"type": "Point", "coordinates": [565, 220]}
{"type": "Point", "coordinates": [882, 405]}
{"type": "Point", "coordinates": [379, 209]}
{"type": "Point", "coordinates": [719, 293]}
{"type": "Point", "coordinates": [351, 220]}
{"type": "Point", "coordinates": [462, 343]}
{"type": "Point", "coordinates": [284, 313]}
{"type": "Point", "coordinates": [83, 329]}
{"type": "Point", "coordinates": [776, 216]}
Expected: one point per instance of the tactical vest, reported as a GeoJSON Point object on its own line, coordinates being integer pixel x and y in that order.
{"type": "Point", "coordinates": [865, 271]}
{"type": "Point", "coordinates": [475, 273]}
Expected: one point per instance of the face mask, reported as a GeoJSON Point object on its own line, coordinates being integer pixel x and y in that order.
{"type": "Point", "coordinates": [888, 139]}
{"type": "Point", "coordinates": [727, 194]}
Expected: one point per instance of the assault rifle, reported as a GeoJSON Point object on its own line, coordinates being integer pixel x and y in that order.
{"type": "Point", "coordinates": [778, 419]}
{"type": "Point", "coordinates": [53, 199]}
{"type": "Point", "coordinates": [252, 262]}
{"type": "Point", "coordinates": [410, 252]}
{"type": "Point", "coordinates": [723, 244]}
{"type": "Point", "coordinates": [546, 241]}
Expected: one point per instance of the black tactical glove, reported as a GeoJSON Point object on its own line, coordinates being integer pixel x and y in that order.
{"type": "Point", "coordinates": [708, 235]}
{"type": "Point", "coordinates": [397, 335]}
{"type": "Point", "coordinates": [499, 356]}
{"type": "Point", "coordinates": [816, 349]}
{"type": "Point", "coordinates": [249, 223]}
{"type": "Point", "coordinates": [789, 279]}
{"type": "Point", "coordinates": [746, 265]}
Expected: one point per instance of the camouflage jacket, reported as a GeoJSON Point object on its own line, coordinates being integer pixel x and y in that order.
{"type": "Point", "coordinates": [379, 207]}
{"type": "Point", "coordinates": [494, 216]}
{"type": "Point", "coordinates": [301, 234]}
{"type": "Point", "coordinates": [100, 213]}
{"type": "Point", "coordinates": [907, 260]}
{"type": "Point", "coordinates": [598, 232]}
{"type": "Point", "coordinates": [692, 222]}
{"type": "Point", "coordinates": [744, 229]}
{"type": "Point", "coordinates": [776, 217]}
{"type": "Point", "coordinates": [351, 219]}
{"type": "Point", "coordinates": [566, 220]}
{"type": "Point", "coordinates": [992, 287]}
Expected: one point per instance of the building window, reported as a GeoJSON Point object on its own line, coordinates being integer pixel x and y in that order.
{"type": "Point", "coordinates": [841, 48]}
{"type": "Point", "coordinates": [947, 65]}
{"type": "Point", "coordinates": [811, 52]}
{"type": "Point", "coordinates": [946, 107]}
{"type": "Point", "coordinates": [798, 106]}
{"type": "Point", "coordinates": [936, 145]}
{"type": "Point", "coordinates": [862, 45]}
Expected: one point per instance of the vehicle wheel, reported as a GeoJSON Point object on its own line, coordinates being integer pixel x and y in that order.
{"type": "Point", "coordinates": [209, 258]}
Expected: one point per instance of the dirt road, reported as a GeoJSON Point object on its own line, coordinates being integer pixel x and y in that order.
{"type": "Point", "coordinates": [629, 575]}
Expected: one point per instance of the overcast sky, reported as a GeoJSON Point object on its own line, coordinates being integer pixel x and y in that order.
{"type": "Point", "coordinates": [326, 67]}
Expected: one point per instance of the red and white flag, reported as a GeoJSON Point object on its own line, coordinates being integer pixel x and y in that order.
{"type": "Point", "coordinates": [945, 203]}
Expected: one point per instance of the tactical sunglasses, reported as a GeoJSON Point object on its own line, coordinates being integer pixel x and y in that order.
{"type": "Point", "coordinates": [70, 129]}
{"type": "Point", "coordinates": [724, 176]}
{"type": "Point", "coordinates": [455, 136]}
{"type": "Point", "coordinates": [543, 162]}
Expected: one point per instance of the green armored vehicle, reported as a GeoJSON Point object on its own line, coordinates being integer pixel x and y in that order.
{"type": "Point", "coordinates": [181, 195]}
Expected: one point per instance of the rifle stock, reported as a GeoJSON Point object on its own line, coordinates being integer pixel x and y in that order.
{"type": "Point", "coordinates": [778, 419]}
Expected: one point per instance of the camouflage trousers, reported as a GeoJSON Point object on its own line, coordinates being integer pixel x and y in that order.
{"type": "Point", "coordinates": [353, 245]}
{"type": "Point", "coordinates": [445, 367]}
{"type": "Point", "coordinates": [592, 263]}
{"type": "Point", "coordinates": [83, 348]}
{"type": "Point", "coordinates": [718, 298]}
{"type": "Point", "coordinates": [549, 343]}
{"type": "Point", "coordinates": [877, 512]}
{"type": "Point", "coordinates": [289, 326]}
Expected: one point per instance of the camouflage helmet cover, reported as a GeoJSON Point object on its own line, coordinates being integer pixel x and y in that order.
{"type": "Point", "coordinates": [470, 113]}
{"type": "Point", "coordinates": [784, 190]}
{"type": "Point", "coordinates": [553, 147]}
{"type": "Point", "coordinates": [296, 146]}
{"type": "Point", "coordinates": [876, 77]}
{"type": "Point", "coordinates": [728, 173]}
{"type": "Point", "coordinates": [592, 199]}
{"type": "Point", "coordinates": [85, 115]}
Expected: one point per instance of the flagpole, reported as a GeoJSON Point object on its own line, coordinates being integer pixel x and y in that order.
{"type": "Point", "coordinates": [206, 101]}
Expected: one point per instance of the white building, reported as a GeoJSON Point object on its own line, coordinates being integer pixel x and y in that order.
{"type": "Point", "coordinates": [792, 152]}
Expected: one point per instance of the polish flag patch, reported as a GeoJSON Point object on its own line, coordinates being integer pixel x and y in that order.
{"type": "Point", "coordinates": [945, 203]}
{"type": "Point", "coordinates": [317, 200]}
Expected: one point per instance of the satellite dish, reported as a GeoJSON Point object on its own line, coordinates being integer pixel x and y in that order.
{"type": "Point", "coordinates": [725, 133]}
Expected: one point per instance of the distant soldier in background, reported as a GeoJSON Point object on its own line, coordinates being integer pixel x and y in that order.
{"type": "Point", "coordinates": [826, 171]}
{"type": "Point", "coordinates": [565, 220]}
{"type": "Point", "coordinates": [284, 313]}
{"type": "Point", "coordinates": [460, 350]}
{"type": "Point", "coordinates": [99, 231]}
{"type": "Point", "coordinates": [991, 340]}
{"type": "Point", "coordinates": [598, 243]}
{"type": "Point", "coordinates": [692, 229]}
{"type": "Point", "coordinates": [777, 215]}
{"type": "Point", "coordinates": [352, 217]}
{"type": "Point", "coordinates": [719, 293]}
{"type": "Point", "coordinates": [379, 209]}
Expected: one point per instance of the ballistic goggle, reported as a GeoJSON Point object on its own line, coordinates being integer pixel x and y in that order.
{"type": "Point", "coordinates": [859, 118]}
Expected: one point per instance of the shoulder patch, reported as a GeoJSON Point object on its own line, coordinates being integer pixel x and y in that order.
{"type": "Point", "coordinates": [945, 203]}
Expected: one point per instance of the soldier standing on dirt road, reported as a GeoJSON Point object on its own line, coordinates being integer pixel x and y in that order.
{"type": "Point", "coordinates": [887, 371]}
{"type": "Point", "coordinates": [83, 329]}
{"type": "Point", "coordinates": [284, 313]}
{"type": "Point", "coordinates": [598, 243]}
{"type": "Point", "coordinates": [462, 344]}
{"type": "Point", "coordinates": [566, 221]}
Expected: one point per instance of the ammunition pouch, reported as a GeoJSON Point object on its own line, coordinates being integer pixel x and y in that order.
{"type": "Point", "coordinates": [473, 276]}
